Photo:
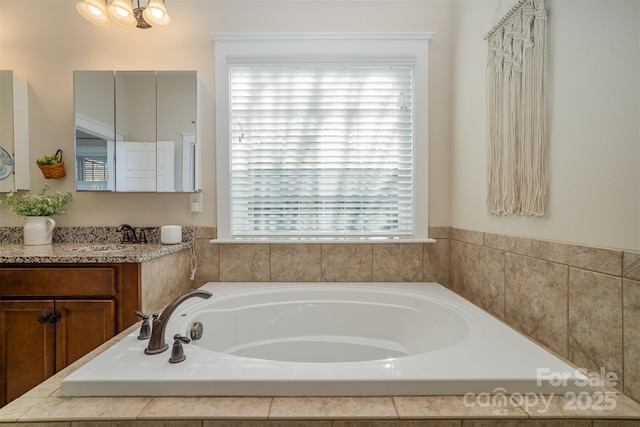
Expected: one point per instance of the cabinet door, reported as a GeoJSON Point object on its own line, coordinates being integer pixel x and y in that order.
{"type": "Point", "coordinates": [83, 325]}
{"type": "Point", "coordinates": [26, 347]}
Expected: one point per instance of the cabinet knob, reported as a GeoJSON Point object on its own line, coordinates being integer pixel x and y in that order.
{"type": "Point", "coordinates": [52, 318]}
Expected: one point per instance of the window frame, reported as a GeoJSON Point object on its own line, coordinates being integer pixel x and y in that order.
{"type": "Point", "coordinates": [347, 48]}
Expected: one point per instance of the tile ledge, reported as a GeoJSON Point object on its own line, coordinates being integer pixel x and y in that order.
{"type": "Point", "coordinates": [322, 241]}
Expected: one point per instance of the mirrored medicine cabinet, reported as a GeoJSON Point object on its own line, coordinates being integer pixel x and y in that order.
{"type": "Point", "coordinates": [14, 132]}
{"type": "Point", "coordinates": [136, 131]}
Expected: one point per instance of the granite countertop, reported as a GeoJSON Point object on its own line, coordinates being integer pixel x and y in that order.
{"type": "Point", "coordinates": [89, 245]}
{"type": "Point", "coordinates": [17, 253]}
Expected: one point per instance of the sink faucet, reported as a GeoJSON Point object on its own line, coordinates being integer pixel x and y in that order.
{"type": "Point", "coordinates": [128, 233]}
{"type": "Point", "coordinates": [157, 343]}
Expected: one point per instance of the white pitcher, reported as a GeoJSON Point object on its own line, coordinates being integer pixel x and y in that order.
{"type": "Point", "coordinates": [38, 230]}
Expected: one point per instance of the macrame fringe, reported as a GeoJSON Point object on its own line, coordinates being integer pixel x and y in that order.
{"type": "Point", "coordinates": [516, 112]}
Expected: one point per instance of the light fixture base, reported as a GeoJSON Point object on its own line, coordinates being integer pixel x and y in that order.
{"type": "Point", "coordinates": [142, 24]}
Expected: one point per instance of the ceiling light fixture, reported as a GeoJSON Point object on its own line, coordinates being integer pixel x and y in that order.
{"type": "Point", "coordinates": [126, 12]}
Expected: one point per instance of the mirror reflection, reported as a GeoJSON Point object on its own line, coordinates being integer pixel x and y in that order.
{"type": "Point", "coordinates": [6, 131]}
{"type": "Point", "coordinates": [14, 132]}
{"type": "Point", "coordinates": [135, 131]}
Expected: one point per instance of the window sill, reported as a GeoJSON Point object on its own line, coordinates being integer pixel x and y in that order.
{"type": "Point", "coordinates": [323, 241]}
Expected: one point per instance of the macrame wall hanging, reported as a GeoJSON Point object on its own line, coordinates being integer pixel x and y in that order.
{"type": "Point", "coordinates": [516, 136]}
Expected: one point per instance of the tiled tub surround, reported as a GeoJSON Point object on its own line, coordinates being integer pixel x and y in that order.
{"type": "Point", "coordinates": [581, 302]}
{"type": "Point", "coordinates": [163, 279]}
{"type": "Point", "coordinates": [322, 262]}
{"type": "Point", "coordinates": [568, 297]}
{"type": "Point", "coordinates": [45, 406]}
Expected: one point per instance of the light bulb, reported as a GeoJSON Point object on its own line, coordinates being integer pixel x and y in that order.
{"type": "Point", "coordinates": [156, 14]}
{"type": "Point", "coordinates": [121, 11]}
{"type": "Point", "coordinates": [93, 11]}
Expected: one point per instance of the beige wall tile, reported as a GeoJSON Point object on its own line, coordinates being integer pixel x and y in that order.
{"type": "Point", "coordinates": [595, 321]}
{"type": "Point", "coordinates": [266, 423]}
{"type": "Point", "coordinates": [163, 279]}
{"type": "Point", "coordinates": [563, 406]}
{"type": "Point", "coordinates": [631, 265]}
{"type": "Point", "coordinates": [477, 273]}
{"type": "Point", "coordinates": [608, 261]}
{"type": "Point", "coordinates": [155, 423]}
{"type": "Point", "coordinates": [244, 262]}
{"type": "Point", "coordinates": [435, 267]}
{"type": "Point", "coordinates": [397, 262]}
{"type": "Point", "coordinates": [453, 407]}
{"type": "Point", "coordinates": [332, 407]}
{"type": "Point", "coordinates": [631, 324]}
{"type": "Point", "coordinates": [469, 236]}
{"type": "Point", "coordinates": [347, 262]}
{"type": "Point", "coordinates": [398, 423]}
{"type": "Point", "coordinates": [296, 262]}
{"type": "Point", "coordinates": [439, 232]}
{"type": "Point", "coordinates": [615, 423]}
{"type": "Point", "coordinates": [527, 423]}
{"type": "Point", "coordinates": [52, 384]}
{"type": "Point", "coordinates": [43, 424]}
{"type": "Point", "coordinates": [207, 407]}
{"type": "Point", "coordinates": [458, 281]}
{"type": "Point", "coordinates": [516, 245]}
{"type": "Point", "coordinates": [208, 262]}
{"type": "Point", "coordinates": [536, 295]}
{"type": "Point", "coordinates": [14, 409]}
{"type": "Point", "coordinates": [87, 408]}
{"type": "Point", "coordinates": [202, 232]}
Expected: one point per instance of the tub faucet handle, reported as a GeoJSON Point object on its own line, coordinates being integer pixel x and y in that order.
{"type": "Point", "coordinates": [145, 329]}
{"type": "Point", "coordinates": [177, 352]}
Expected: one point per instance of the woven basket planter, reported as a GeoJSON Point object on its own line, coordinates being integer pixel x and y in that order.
{"type": "Point", "coordinates": [54, 171]}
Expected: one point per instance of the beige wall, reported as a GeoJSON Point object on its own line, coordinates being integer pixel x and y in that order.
{"type": "Point", "coordinates": [593, 110]}
{"type": "Point", "coordinates": [593, 100]}
{"type": "Point", "coordinates": [45, 40]}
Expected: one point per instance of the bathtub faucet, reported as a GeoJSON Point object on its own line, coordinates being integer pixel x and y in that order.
{"type": "Point", "coordinates": [157, 343]}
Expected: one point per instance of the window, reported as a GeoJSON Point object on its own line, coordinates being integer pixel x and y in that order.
{"type": "Point", "coordinates": [92, 168]}
{"type": "Point", "coordinates": [329, 145]}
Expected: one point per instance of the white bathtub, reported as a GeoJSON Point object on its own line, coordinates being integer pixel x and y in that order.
{"type": "Point", "coordinates": [329, 339]}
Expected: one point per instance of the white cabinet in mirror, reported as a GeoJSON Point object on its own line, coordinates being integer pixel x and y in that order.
{"type": "Point", "coordinates": [136, 131]}
{"type": "Point", "coordinates": [14, 132]}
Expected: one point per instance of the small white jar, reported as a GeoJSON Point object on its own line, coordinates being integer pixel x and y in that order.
{"type": "Point", "coordinates": [170, 234]}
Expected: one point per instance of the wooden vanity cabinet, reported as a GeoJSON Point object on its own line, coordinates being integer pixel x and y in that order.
{"type": "Point", "coordinates": [53, 314]}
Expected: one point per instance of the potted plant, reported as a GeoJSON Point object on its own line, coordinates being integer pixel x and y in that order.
{"type": "Point", "coordinates": [37, 210]}
{"type": "Point", "coordinates": [52, 166]}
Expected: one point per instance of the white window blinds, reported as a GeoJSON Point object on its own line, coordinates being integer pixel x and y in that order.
{"type": "Point", "coordinates": [321, 150]}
